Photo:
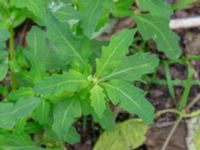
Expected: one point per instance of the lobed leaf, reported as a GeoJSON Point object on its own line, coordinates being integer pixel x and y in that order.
{"type": "Point", "coordinates": [131, 99]}
{"type": "Point", "coordinates": [155, 7]}
{"type": "Point", "coordinates": [65, 114]}
{"type": "Point", "coordinates": [158, 28]}
{"type": "Point", "coordinates": [98, 101]}
{"type": "Point", "coordinates": [67, 44]}
{"type": "Point", "coordinates": [133, 67]}
{"type": "Point", "coordinates": [71, 81]}
{"type": "Point", "coordinates": [114, 52]}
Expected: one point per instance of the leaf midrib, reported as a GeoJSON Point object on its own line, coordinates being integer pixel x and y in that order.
{"type": "Point", "coordinates": [137, 105]}
{"type": "Point", "coordinates": [110, 56]}
{"type": "Point", "coordinates": [161, 33]}
{"type": "Point", "coordinates": [16, 110]}
{"type": "Point", "coordinates": [122, 71]}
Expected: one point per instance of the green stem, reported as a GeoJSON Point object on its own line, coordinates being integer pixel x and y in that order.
{"type": "Point", "coordinates": [186, 91]}
{"type": "Point", "coordinates": [12, 56]}
{"type": "Point", "coordinates": [169, 82]}
{"type": "Point", "coordinates": [182, 60]}
{"type": "Point", "coordinates": [174, 82]}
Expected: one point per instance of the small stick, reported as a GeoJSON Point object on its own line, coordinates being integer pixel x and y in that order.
{"type": "Point", "coordinates": [185, 23]}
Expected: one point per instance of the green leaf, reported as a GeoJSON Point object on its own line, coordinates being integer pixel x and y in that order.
{"type": "Point", "coordinates": [91, 12]}
{"type": "Point", "coordinates": [127, 135]}
{"type": "Point", "coordinates": [98, 101]}
{"type": "Point", "coordinates": [37, 7]}
{"type": "Point", "coordinates": [122, 8]}
{"type": "Point", "coordinates": [41, 113]}
{"type": "Point", "coordinates": [133, 67]}
{"type": "Point", "coordinates": [41, 50]}
{"type": "Point", "coordinates": [10, 113]}
{"type": "Point", "coordinates": [107, 121]}
{"type": "Point", "coordinates": [37, 44]}
{"type": "Point", "coordinates": [155, 7]}
{"type": "Point", "coordinates": [72, 136]}
{"type": "Point", "coordinates": [157, 28]}
{"type": "Point", "coordinates": [71, 81]}
{"type": "Point", "coordinates": [65, 114]}
{"type": "Point", "coordinates": [37, 71]}
{"type": "Point", "coordinates": [22, 92]}
{"type": "Point", "coordinates": [19, 16]}
{"type": "Point", "coordinates": [131, 99]}
{"type": "Point", "coordinates": [3, 71]}
{"type": "Point", "coordinates": [114, 52]}
{"type": "Point", "coordinates": [66, 13]}
{"type": "Point", "coordinates": [67, 44]}
{"type": "Point", "coordinates": [20, 141]}
{"type": "Point", "coordinates": [4, 35]}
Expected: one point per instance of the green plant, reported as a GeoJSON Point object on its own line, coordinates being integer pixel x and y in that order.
{"type": "Point", "coordinates": [62, 74]}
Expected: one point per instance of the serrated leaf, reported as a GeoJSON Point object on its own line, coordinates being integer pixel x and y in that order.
{"type": "Point", "coordinates": [133, 67]}
{"type": "Point", "coordinates": [127, 135]}
{"type": "Point", "coordinates": [91, 12]}
{"type": "Point", "coordinates": [98, 101]}
{"type": "Point", "coordinates": [131, 99]}
{"type": "Point", "coordinates": [10, 113]}
{"type": "Point", "coordinates": [157, 28]}
{"type": "Point", "coordinates": [155, 7]}
{"type": "Point", "coordinates": [41, 113]}
{"type": "Point", "coordinates": [114, 52]}
{"type": "Point", "coordinates": [65, 114]}
{"type": "Point", "coordinates": [67, 44]}
{"type": "Point", "coordinates": [22, 92]}
{"type": "Point", "coordinates": [71, 81]}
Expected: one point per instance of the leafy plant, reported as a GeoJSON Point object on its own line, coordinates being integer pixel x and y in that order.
{"type": "Point", "coordinates": [65, 72]}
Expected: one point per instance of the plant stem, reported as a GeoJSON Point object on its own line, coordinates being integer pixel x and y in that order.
{"type": "Point", "coordinates": [171, 133]}
{"type": "Point", "coordinates": [169, 82]}
{"type": "Point", "coordinates": [174, 82]}
{"type": "Point", "coordinates": [12, 56]}
{"type": "Point", "coordinates": [161, 112]}
{"type": "Point", "coordinates": [193, 102]}
{"type": "Point", "coordinates": [181, 116]}
{"type": "Point", "coordinates": [186, 91]}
